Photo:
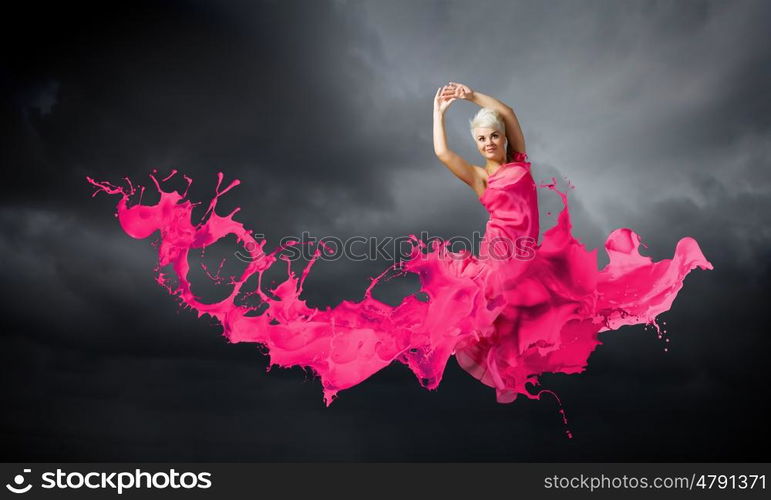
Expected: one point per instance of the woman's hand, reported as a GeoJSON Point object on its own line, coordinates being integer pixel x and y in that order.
{"type": "Point", "coordinates": [442, 102]}
{"type": "Point", "coordinates": [458, 91]}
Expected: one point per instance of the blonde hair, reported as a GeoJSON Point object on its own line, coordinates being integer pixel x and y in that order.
{"type": "Point", "coordinates": [487, 118]}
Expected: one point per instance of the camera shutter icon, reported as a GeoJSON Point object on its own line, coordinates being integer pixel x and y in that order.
{"type": "Point", "coordinates": [18, 481]}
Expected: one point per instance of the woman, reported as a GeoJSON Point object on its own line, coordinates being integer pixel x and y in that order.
{"type": "Point", "coordinates": [512, 230]}
{"type": "Point", "coordinates": [501, 274]}
{"type": "Point", "coordinates": [539, 308]}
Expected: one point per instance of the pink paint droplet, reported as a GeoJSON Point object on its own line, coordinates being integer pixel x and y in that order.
{"type": "Point", "coordinates": [516, 311]}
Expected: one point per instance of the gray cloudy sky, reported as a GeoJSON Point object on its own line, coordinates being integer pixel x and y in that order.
{"type": "Point", "coordinates": [657, 111]}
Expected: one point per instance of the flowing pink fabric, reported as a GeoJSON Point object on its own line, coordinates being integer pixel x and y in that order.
{"type": "Point", "coordinates": [518, 310]}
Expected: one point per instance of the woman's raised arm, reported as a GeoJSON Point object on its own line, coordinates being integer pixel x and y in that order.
{"type": "Point", "coordinates": [452, 160]}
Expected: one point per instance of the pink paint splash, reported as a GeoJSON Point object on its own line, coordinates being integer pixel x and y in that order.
{"type": "Point", "coordinates": [516, 311]}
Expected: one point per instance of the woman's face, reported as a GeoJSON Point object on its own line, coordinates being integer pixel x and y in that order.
{"type": "Point", "coordinates": [491, 143]}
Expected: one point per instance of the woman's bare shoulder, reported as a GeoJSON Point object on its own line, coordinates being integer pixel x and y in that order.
{"type": "Point", "coordinates": [481, 172]}
{"type": "Point", "coordinates": [480, 182]}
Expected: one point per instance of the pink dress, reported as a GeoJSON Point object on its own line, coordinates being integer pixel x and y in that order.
{"type": "Point", "coordinates": [550, 300]}
{"type": "Point", "coordinates": [535, 297]}
{"type": "Point", "coordinates": [519, 309]}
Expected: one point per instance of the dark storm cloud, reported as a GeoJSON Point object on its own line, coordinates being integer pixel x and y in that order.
{"type": "Point", "coordinates": [658, 112]}
{"type": "Point", "coordinates": [254, 90]}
